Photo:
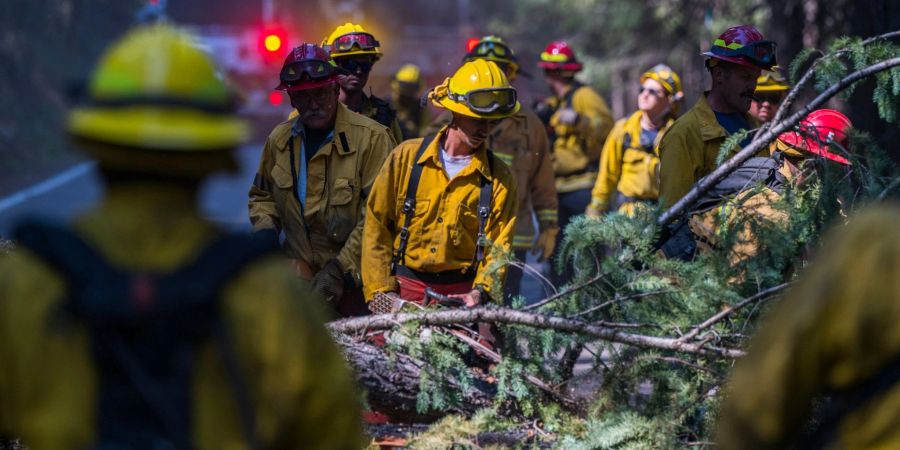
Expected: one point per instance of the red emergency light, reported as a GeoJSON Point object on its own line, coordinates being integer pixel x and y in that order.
{"type": "Point", "coordinates": [272, 43]}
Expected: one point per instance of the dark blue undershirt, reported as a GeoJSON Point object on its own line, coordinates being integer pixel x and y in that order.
{"type": "Point", "coordinates": [734, 122]}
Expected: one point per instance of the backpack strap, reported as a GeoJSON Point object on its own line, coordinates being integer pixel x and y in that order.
{"type": "Point", "coordinates": [409, 203]}
{"type": "Point", "coordinates": [145, 329]}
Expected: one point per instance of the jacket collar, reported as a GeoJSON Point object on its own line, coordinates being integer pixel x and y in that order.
{"type": "Point", "coordinates": [706, 119]}
{"type": "Point", "coordinates": [479, 160]}
{"type": "Point", "coordinates": [342, 125]}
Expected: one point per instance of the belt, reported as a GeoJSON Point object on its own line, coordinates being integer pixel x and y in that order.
{"type": "Point", "coordinates": [445, 277]}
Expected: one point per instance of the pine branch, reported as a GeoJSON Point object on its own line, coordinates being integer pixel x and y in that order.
{"type": "Point", "coordinates": [559, 295]}
{"type": "Point", "coordinates": [517, 317]}
{"type": "Point", "coordinates": [708, 182]}
{"type": "Point", "coordinates": [730, 309]}
{"type": "Point", "coordinates": [808, 75]}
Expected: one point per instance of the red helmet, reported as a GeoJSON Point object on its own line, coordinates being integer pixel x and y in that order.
{"type": "Point", "coordinates": [559, 56]}
{"type": "Point", "coordinates": [307, 67]}
{"type": "Point", "coordinates": [814, 134]}
{"type": "Point", "coordinates": [743, 45]}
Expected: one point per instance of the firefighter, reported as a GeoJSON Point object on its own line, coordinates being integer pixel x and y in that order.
{"type": "Point", "coordinates": [521, 142]}
{"type": "Point", "coordinates": [406, 88]}
{"type": "Point", "coordinates": [355, 51]}
{"type": "Point", "coordinates": [313, 177]}
{"type": "Point", "coordinates": [749, 193]}
{"type": "Point", "coordinates": [690, 148]}
{"type": "Point", "coordinates": [833, 337]}
{"type": "Point", "coordinates": [143, 325]}
{"type": "Point", "coordinates": [443, 205]}
{"type": "Point", "coordinates": [629, 164]}
{"type": "Point", "coordinates": [578, 122]}
{"type": "Point", "coordinates": [771, 88]}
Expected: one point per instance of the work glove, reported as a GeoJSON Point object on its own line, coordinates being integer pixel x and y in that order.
{"type": "Point", "coordinates": [329, 282]}
{"type": "Point", "coordinates": [546, 243]}
{"type": "Point", "coordinates": [567, 116]}
{"type": "Point", "coordinates": [595, 209]}
{"type": "Point", "coordinates": [385, 303]}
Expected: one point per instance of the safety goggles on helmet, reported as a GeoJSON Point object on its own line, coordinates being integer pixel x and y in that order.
{"type": "Point", "coordinates": [352, 65]}
{"type": "Point", "coordinates": [486, 101]}
{"type": "Point", "coordinates": [486, 48]}
{"type": "Point", "coordinates": [364, 41]}
{"type": "Point", "coordinates": [761, 53]}
{"type": "Point", "coordinates": [314, 70]}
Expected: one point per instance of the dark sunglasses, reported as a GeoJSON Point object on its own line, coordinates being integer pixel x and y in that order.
{"type": "Point", "coordinates": [768, 97]}
{"type": "Point", "coordinates": [761, 52]}
{"type": "Point", "coordinates": [655, 92]}
{"type": "Point", "coordinates": [354, 65]}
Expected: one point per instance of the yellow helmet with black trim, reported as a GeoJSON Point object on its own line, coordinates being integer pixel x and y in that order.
{"type": "Point", "coordinates": [351, 39]}
{"type": "Point", "coordinates": [154, 90]}
{"type": "Point", "coordinates": [667, 78]}
{"type": "Point", "coordinates": [478, 89]}
{"type": "Point", "coordinates": [771, 82]}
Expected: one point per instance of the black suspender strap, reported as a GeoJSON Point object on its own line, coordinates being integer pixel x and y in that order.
{"type": "Point", "coordinates": [484, 211]}
{"type": "Point", "coordinates": [409, 203]}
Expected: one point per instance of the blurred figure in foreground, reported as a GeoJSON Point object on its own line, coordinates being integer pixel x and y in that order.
{"type": "Point", "coordinates": [833, 341]}
{"type": "Point", "coordinates": [144, 326]}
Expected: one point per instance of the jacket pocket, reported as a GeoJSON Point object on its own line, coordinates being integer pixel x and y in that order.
{"type": "Point", "coordinates": [464, 234]}
{"type": "Point", "coordinates": [639, 174]}
{"type": "Point", "coordinates": [282, 177]}
{"type": "Point", "coordinates": [342, 192]}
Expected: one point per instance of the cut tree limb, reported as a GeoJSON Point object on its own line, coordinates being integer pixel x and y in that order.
{"type": "Point", "coordinates": [516, 317]}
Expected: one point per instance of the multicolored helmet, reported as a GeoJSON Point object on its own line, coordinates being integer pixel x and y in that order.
{"type": "Point", "coordinates": [307, 67]}
{"type": "Point", "coordinates": [559, 56]}
{"type": "Point", "coordinates": [743, 45]}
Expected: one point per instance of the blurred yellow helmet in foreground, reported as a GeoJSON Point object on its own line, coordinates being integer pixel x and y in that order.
{"type": "Point", "coordinates": [153, 96]}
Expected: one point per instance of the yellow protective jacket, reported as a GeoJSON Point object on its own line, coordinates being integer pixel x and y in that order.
{"type": "Point", "coordinates": [577, 147]}
{"type": "Point", "coordinates": [381, 112]}
{"type": "Point", "coordinates": [338, 178]}
{"type": "Point", "coordinates": [626, 167]}
{"type": "Point", "coordinates": [689, 150]}
{"type": "Point", "coordinates": [835, 330]}
{"type": "Point", "coordinates": [296, 379]}
{"type": "Point", "coordinates": [521, 142]}
{"type": "Point", "coordinates": [444, 228]}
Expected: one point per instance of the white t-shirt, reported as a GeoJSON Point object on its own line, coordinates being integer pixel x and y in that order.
{"type": "Point", "coordinates": [454, 164]}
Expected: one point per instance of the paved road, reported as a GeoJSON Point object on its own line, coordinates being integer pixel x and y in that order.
{"type": "Point", "coordinates": [66, 194]}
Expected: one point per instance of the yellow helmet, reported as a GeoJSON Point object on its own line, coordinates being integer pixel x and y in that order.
{"type": "Point", "coordinates": [153, 90]}
{"type": "Point", "coordinates": [350, 39]}
{"type": "Point", "coordinates": [771, 82]}
{"type": "Point", "coordinates": [408, 78]}
{"type": "Point", "coordinates": [493, 48]}
{"type": "Point", "coordinates": [478, 89]}
{"type": "Point", "coordinates": [665, 76]}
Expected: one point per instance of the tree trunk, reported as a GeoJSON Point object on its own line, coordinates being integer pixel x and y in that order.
{"type": "Point", "coordinates": [391, 383]}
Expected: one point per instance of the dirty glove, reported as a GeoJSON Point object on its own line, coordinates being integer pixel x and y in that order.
{"type": "Point", "coordinates": [567, 116]}
{"type": "Point", "coordinates": [329, 282]}
{"type": "Point", "coordinates": [546, 243]}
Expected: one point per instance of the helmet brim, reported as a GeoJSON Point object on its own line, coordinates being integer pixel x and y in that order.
{"type": "Point", "coordinates": [158, 128]}
{"type": "Point", "coordinates": [741, 61]}
{"type": "Point", "coordinates": [570, 67]}
{"type": "Point", "coordinates": [306, 85]}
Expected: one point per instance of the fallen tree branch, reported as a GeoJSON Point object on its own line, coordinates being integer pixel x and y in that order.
{"type": "Point", "coordinates": [559, 295]}
{"type": "Point", "coordinates": [517, 317]}
{"type": "Point", "coordinates": [730, 309]}
{"type": "Point", "coordinates": [709, 181]}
